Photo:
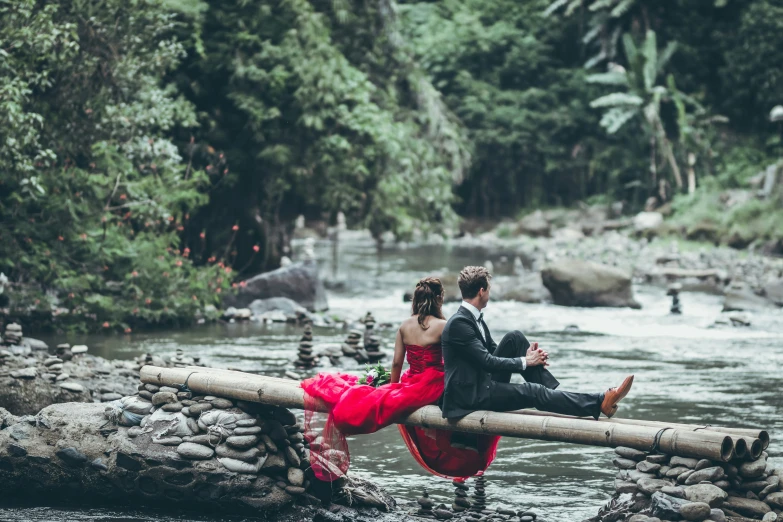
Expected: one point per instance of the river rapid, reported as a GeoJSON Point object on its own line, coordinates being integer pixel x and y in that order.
{"type": "Point", "coordinates": [686, 371]}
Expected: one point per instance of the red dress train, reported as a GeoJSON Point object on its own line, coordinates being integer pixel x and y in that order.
{"type": "Point", "coordinates": [356, 409]}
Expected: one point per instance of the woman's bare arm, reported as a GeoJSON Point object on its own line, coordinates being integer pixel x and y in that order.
{"type": "Point", "coordinates": [399, 357]}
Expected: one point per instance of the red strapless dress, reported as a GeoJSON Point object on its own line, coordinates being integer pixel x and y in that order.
{"type": "Point", "coordinates": [356, 409]}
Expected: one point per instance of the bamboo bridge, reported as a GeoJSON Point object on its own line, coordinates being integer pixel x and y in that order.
{"type": "Point", "coordinates": [719, 444]}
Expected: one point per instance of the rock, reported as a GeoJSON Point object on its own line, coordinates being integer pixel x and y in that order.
{"type": "Point", "coordinates": [72, 387]}
{"type": "Point", "coordinates": [684, 462]}
{"type": "Point", "coordinates": [79, 348]}
{"type": "Point", "coordinates": [24, 373]}
{"type": "Point", "coordinates": [647, 467]}
{"type": "Point", "coordinates": [708, 474]}
{"type": "Point", "coordinates": [741, 298]}
{"type": "Point", "coordinates": [291, 456]}
{"type": "Point", "coordinates": [747, 507]}
{"type": "Point", "coordinates": [666, 507]}
{"type": "Point", "coordinates": [657, 459]}
{"type": "Point", "coordinates": [298, 281]}
{"type": "Point", "coordinates": [172, 407]}
{"type": "Point", "coordinates": [621, 486]}
{"type": "Point", "coordinates": [294, 490]}
{"type": "Point", "coordinates": [674, 491]}
{"type": "Point", "coordinates": [707, 493]}
{"type": "Point", "coordinates": [163, 397]}
{"type": "Point", "coordinates": [770, 517]}
{"type": "Point", "coordinates": [222, 404]}
{"type": "Point", "coordinates": [99, 465]}
{"type": "Point", "coordinates": [624, 463]}
{"type": "Point", "coordinates": [645, 222]}
{"type": "Point", "coordinates": [753, 469]}
{"type": "Point", "coordinates": [676, 472]}
{"type": "Point", "coordinates": [775, 500]}
{"type": "Point", "coordinates": [251, 430]}
{"type": "Point", "coordinates": [275, 462]}
{"type": "Point", "coordinates": [198, 409]}
{"type": "Point", "coordinates": [168, 441]}
{"type": "Point", "coordinates": [534, 225]}
{"type": "Point", "coordinates": [72, 456]}
{"type": "Point", "coordinates": [240, 466]}
{"type": "Point", "coordinates": [290, 309]}
{"type": "Point", "coordinates": [296, 476]}
{"type": "Point", "coordinates": [242, 441]}
{"type": "Point", "coordinates": [35, 344]}
{"type": "Point", "coordinates": [225, 451]}
{"type": "Point", "coordinates": [630, 453]}
{"type": "Point", "coordinates": [193, 451]}
{"type": "Point", "coordinates": [584, 283]}
{"type": "Point", "coordinates": [650, 486]}
{"type": "Point", "coordinates": [717, 515]}
{"type": "Point", "coordinates": [684, 476]}
{"type": "Point", "coordinates": [695, 511]}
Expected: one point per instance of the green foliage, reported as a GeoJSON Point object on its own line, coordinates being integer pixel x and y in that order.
{"type": "Point", "coordinates": [90, 224]}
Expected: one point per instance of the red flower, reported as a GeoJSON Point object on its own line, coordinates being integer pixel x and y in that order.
{"type": "Point", "coordinates": [202, 235]}
{"type": "Point", "coordinates": [123, 197]}
{"type": "Point", "coordinates": [233, 285]}
{"type": "Point", "coordinates": [106, 324]}
{"type": "Point", "coordinates": [225, 171]}
{"type": "Point", "coordinates": [194, 298]}
{"type": "Point", "coordinates": [128, 330]}
{"type": "Point", "coordinates": [243, 284]}
{"type": "Point", "coordinates": [256, 248]}
{"type": "Point", "coordinates": [135, 311]}
{"type": "Point", "coordinates": [70, 296]}
{"type": "Point", "coordinates": [235, 228]}
{"type": "Point", "coordinates": [211, 259]}
{"type": "Point", "coordinates": [165, 274]}
{"type": "Point", "coordinates": [180, 228]}
{"type": "Point", "coordinates": [179, 262]}
{"type": "Point", "coordinates": [369, 379]}
{"type": "Point", "coordinates": [171, 218]}
{"type": "Point", "coordinates": [228, 269]}
{"type": "Point", "coordinates": [218, 290]}
{"type": "Point", "coordinates": [83, 236]}
{"type": "Point", "coordinates": [148, 301]}
{"type": "Point", "coordinates": [60, 238]}
{"type": "Point", "coordinates": [135, 274]}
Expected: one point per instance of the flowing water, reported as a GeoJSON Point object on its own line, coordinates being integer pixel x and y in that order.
{"type": "Point", "coordinates": [686, 371]}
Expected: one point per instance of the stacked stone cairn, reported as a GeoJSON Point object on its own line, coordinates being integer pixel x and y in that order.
{"type": "Point", "coordinates": [480, 496]}
{"type": "Point", "coordinates": [306, 359]}
{"type": "Point", "coordinates": [243, 438]}
{"type": "Point", "coordinates": [461, 501]}
{"type": "Point", "coordinates": [12, 335]}
{"type": "Point", "coordinates": [674, 292]}
{"type": "Point", "coordinates": [372, 343]}
{"type": "Point", "coordinates": [425, 506]}
{"type": "Point", "coordinates": [656, 487]}
{"type": "Point", "coordinates": [351, 346]}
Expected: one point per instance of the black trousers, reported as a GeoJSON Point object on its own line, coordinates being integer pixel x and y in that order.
{"type": "Point", "coordinates": [539, 389]}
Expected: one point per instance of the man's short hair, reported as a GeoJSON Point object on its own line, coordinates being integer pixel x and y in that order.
{"type": "Point", "coordinates": [472, 279]}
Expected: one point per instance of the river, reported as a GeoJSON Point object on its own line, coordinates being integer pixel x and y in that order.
{"type": "Point", "coordinates": [686, 371]}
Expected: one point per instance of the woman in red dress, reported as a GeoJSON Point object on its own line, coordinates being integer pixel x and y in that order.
{"type": "Point", "coordinates": [356, 408]}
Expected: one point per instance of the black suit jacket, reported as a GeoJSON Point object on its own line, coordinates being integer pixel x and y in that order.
{"type": "Point", "coordinates": [469, 363]}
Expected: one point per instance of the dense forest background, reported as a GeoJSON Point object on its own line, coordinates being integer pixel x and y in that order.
{"type": "Point", "coordinates": [155, 152]}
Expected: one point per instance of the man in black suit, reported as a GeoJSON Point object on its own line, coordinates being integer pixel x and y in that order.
{"type": "Point", "coordinates": [478, 371]}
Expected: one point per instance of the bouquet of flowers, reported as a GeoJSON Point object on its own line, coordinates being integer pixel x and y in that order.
{"type": "Point", "coordinates": [376, 376]}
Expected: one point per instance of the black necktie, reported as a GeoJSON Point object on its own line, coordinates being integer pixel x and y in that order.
{"type": "Point", "coordinates": [481, 325]}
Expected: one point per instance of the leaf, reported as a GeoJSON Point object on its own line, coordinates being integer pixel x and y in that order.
{"type": "Point", "coordinates": [615, 118]}
{"type": "Point", "coordinates": [650, 60]}
{"type": "Point", "coordinates": [665, 56]}
{"type": "Point", "coordinates": [630, 49]}
{"type": "Point", "coordinates": [609, 78]}
{"type": "Point", "coordinates": [601, 4]}
{"type": "Point", "coordinates": [554, 6]}
{"type": "Point", "coordinates": [615, 99]}
{"type": "Point", "coordinates": [623, 7]}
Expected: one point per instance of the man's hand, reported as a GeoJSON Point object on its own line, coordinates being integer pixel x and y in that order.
{"type": "Point", "coordinates": [536, 356]}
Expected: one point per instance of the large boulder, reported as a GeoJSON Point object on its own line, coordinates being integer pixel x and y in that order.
{"type": "Point", "coordinates": [585, 283]}
{"type": "Point", "coordinates": [740, 297]}
{"type": "Point", "coordinates": [535, 225]}
{"type": "Point", "coordinates": [647, 222]}
{"type": "Point", "coordinates": [526, 289]}
{"type": "Point", "coordinates": [298, 282]}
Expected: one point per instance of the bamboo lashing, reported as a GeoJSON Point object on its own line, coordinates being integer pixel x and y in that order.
{"type": "Point", "coordinates": [271, 391]}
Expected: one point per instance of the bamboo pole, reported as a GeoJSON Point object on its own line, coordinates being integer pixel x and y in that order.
{"type": "Point", "coordinates": [748, 443]}
{"type": "Point", "coordinates": [265, 390]}
{"type": "Point", "coordinates": [735, 433]}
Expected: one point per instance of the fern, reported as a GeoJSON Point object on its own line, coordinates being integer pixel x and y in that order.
{"type": "Point", "coordinates": [650, 60]}
{"type": "Point", "coordinates": [622, 8]}
{"type": "Point", "coordinates": [601, 4]}
{"type": "Point", "coordinates": [555, 6]}
{"type": "Point", "coordinates": [573, 7]}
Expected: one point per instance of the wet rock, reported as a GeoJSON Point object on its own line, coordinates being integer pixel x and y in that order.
{"type": "Point", "coordinates": [717, 515]}
{"type": "Point", "coordinates": [741, 298]}
{"type": "Point", "coordinates": [747, 507]}
{"type": "Point", "coordinates": [657, 459]}
{"type": "Point", "coordinates": [707, 493]}
{"type": "Point", "coordinates": [99, 465]}
{"type": "Point", "coordinates": [161, 398]}
{"type": "Point", "coordinates": [674, 491]}
{"type": "Point", "coordinates": [621, 486]}
{"type": "Point", "coordinates": [621, 463]}
{"type": "Point", "coordinates": [242, 442]}
{"type": "Point", "coordinates": [684, 462]}
{"type": "Point", "coordinates": [275, 462]}
{"type": "Point", "coordinates": [630, 453]}
{"type": "Point", "coordinates": [708, 474]}
{"type": "Point", "coordinates": [296, 476]}
{"type": "Point", "coordinates": [666, 507]}
{"type": "Point", "coordinates": [534, 225]}
{"type": "Point", "coordinates": [647, 467]}
{"type": "Point", "coordinates": [695, 511]}
{"type": "Point", "coordinates": [753, 469]}
{"type": "Point", "coordinates": [775, 500]}
{"type": "Point", "coordinates": [72, 456]}
{"type": "Point", "coordinates": [240, 466]}
{"type": "Point", "coordinates": [250, 455]}
{"type": "Point", "coordinates": [24, 373]}
{"type": "Point", "coordinates": [703, 464]}
{"type": "Point", "coordinates": [584, 283]}
{"type": "Point", "coordinates": [676, 472]}
{"type": "Point", "coordinates": [299, 282]}
{"type": "Point", "coordinates": [650, 486]}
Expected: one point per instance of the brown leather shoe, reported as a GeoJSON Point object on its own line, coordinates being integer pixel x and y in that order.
{"type": "Point", "coordinates": [615, 395]}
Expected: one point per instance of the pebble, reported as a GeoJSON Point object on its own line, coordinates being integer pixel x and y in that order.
{"type": "Point", "coordinates": [695, 511]}
{"type": "Point", "coordinates": [72, 387]}
{"type": "Point", "coordinates": [753, 469]}
{"type": "Point", "coordinates": [63, 376]}
{"type": "Point", "coordinates": [622, 486]}
{"type": "Point", "coordinates": [250, 455]}
{"type": "Point", "coordinates": [186, 412]}
{"type": "Point", "coordinates": [296, 476]}
{"type": "Point", "coordinates": [163, 397]}
{"type": "Point", "coordinates": [650, 486]}
{"type": "Point", "coordinates": [704, 463]}
{"type": "Point", "coordinates": [624, 463]}
{"type": "Point", "coordinates": [55, 368]}
{"type": "Point", "coordinates": [294, 490]}
{"type": "Point", "coordinates": [72, 456]}
{"type": "Point", "coordinates": [658, 459]}
{"type": "Point", "coordinates": [53, 360]}
{"type": "Point", "coordinates": [717, 515]}
{"type": "Point", "coordinates": [270, 445]}
{"type": "Point", "coordinates": [192, 425]}
{"type": "Point", "coordinates": [168, 389]}
{"type": "Point", "coordinates": [146, 395]}
{"type": "Point", "coordinates": [252, 430]}
{"type": "Point", "coordinates": [222, 404]}
{"type": "Point", "coordinates": [107, 397]}
{"type": "Point", "coordinates": [683, 461]}
{"type": "Point", "coordinates": [647, 467]}
{"type": "Point", "coordinates": [198, 409]}
{"type": "Point", "coordinates": [242, 441]}
{"type": "Point", "coordinates": [707, 493]}
{"type": "Point", "coordinates": [707, 474]}
{"type": "Point", "coordinates": [291, 456]}
{"type": "Point", "coordinates": [240, 466]}
{"type": "Point", "coordinates": [684, 476]}
{"type": "Point", "coordinates": [79, 348]}
{"type": "Point", "coordinates": [135, 431]}
{"type": "Point", "coordinates": [197, 439]}
{"type": "Point", "coordinates": [674, 491]}
{"type": "Point", "coordinates": [172, 407]}
{"type": "Point", "coordinates": [99, 465]}
{"type": "Point", "coordinates": [190, 450]}
{"type": "Point", "coordinates": [246, 423]}
{"type": "Point", "coordinates": [775, 500]}
{"type": "Point", "coordinates": [770, 517]}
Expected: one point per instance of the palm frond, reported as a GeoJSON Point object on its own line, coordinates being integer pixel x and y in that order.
{"type": "Point", "coordinates": [595, 60]}
{"type": "Point", "coordinates": [555, 6]}
{"type": "Point", "coordinates": [615, 118]}
{"type": "Point", "coordinates": [572, 7]}
{"type": "Point", "coordinates": [623, 7]}
{"type": "Point", "coordinates": [592, 34]}
{"type": "Point", "coordinates": [630, 49]}
{"type": "Point", "coordinates": [617, 99]}
{"type": "Point", "coordinates": [609, 78]}
{"type": "Point", "coordinates": [666, 55]}
{"type": "Point", "coordinates": [601, 4]}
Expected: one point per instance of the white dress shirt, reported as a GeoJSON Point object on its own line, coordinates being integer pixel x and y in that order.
{"type": "Point", "coordinates": [478, 314]}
